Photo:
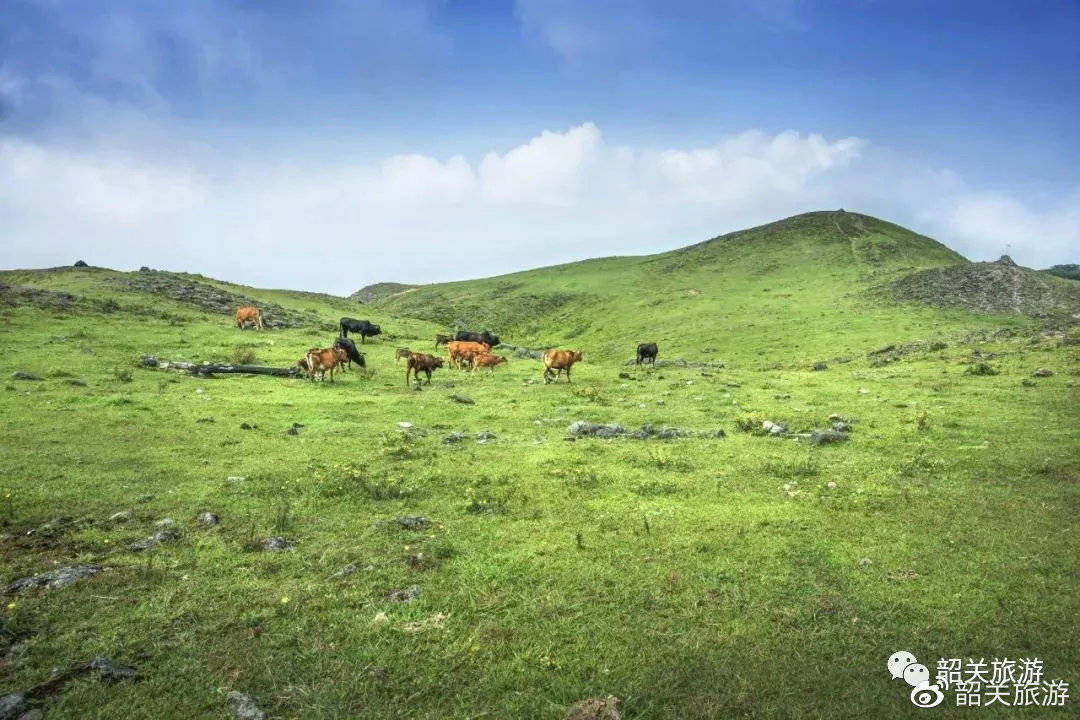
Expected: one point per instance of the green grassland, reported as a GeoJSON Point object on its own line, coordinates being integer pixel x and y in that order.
{"type": "Point", "coordinates": [696, 577]}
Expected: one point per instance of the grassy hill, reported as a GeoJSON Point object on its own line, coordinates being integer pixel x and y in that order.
{"type": "Point", "coordinates": [377, 291]}
{"type": "Point", "coordinates": [692, 573]}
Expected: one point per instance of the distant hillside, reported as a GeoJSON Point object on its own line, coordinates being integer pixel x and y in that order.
{"type": "Point", "coordinates": [1070, 271]}
{"type": "Point", "coordinates": [991, 287]}
{"type": "Point", "coordinates": [371, 293]}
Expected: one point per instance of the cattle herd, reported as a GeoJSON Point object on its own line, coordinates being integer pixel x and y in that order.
{"type": "Point", "coordinates": [465, 350]}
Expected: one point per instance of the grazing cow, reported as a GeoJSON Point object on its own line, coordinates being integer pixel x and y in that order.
{"type": "Point", "coordinates": [320, 360]}
{"type": "Point", "coordinates": [481, 337]}
{"type": "Point", "coordinates": [421, 362]}
{"type": "Point", "coordinates": [402, 353]}
{"type": "Point", "coordinates": [462, 350]}
{"type": "Point", "coordinates": [646, 351]}
{"type": "Point", "coordinates": [352, 355]}
{"type": "Point", "coordinates": [362, 327]}
{"type": "Point", "coordinates": [442, 340]}
{"type": "Point", "coordinates": [247, 313]}
{"type": "Point", "coordinates": [486, 360]}
{"type": "Point", "coordinates": [302, 363]}
{"type": "Point", "coordinates": [559, 360]}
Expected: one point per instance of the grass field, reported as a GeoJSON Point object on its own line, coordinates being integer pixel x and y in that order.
{"type": "Point", "coordinates": [696, 577]}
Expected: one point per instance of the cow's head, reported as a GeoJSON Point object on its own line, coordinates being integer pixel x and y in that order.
{"type": "Point", "coordinates": [499, 359]}
{"type": "Point", "coordinates": [576, 355]}
{"type": "Point", "coordinates": [374, 330]}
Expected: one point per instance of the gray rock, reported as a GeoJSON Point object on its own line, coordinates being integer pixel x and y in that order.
{"type": "Point", "coordinates": [275, 543]}
{"type": "Point", "coordinates": [1042, 372]}
{"type": "Point", "coordinates": [164, 522]}
{"type": "Point", "coordinates": [12, 705]}
{"type": "Point", "coordinates": [454, 437]}
{"type": "Point", "coordinates": [154, 540]}
{"type": "Point", "coordinates": [119, 517]}
{"type": "Point", "coordinates": [244, 708]}
{"type": "Point", "coordinates": [717, 433]}
{"type": "Point", "coordinates": [32, 714]}
{"type": "Point", "coordinates": [20, 375]}
{"type": "Point", "coordinates": [580, 428]}
{"type": "Point", "coordinates": [463, 399]}
{"type": "Point", "coordinates": [344, 572]}
{"type": "Point", "coordinates": [824, 437]}
{"type": "Point", "coordinates": [109, 670]}
{"type": "Point", "coordinates": [208, 519]}
{"type": "Point", "coordinates": [485, 435]}
{"type": "Point", "coordinates": [406, 595]}
{"type": "Point", "coordinates": [55, 579]}
{"type": "Point", "coordinates": [841, 426]}
{"type": "Point", "coordinates": [668, 433]}
{"type": "Point", "coordinates": [413, 522]}
{"type": "Point", "coordinates": [144, 498]}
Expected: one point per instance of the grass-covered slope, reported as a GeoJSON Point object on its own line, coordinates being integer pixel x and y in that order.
{"type": "Point", "coordinates": [697, 577]}
{"type": "Point", "coordinates": [370, 293]}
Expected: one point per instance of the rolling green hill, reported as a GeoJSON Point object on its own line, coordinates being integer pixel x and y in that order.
{"type": "Point", "coordinates": [693, 564]}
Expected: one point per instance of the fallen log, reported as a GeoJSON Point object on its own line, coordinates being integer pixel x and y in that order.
{"type": "Point", "coordinates": [208, 368]}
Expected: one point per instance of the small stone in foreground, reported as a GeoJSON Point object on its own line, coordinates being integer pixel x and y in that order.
{"type": "Point", "coordinates": [273, 544]}
{"type": "Point", "coordinates": [463, 399]}
{"type": "Point", "coordinates": [11, 705]}
{"type": "Point", "coordinates": [824, 437]}
{"type": "Point", "coordinates": [413, 522]}
{"type": "Point", "coordinates": [407, 595]}
{"type": "Point", "coordinates": [594, 708]}
{"type": "Point", "coordinates": [110, 670]}
{"type": "Point", "coordinates": [208, 518]}
{"type": "Point", "coordinates": [244, 708]}
{"type": "Point", "coordinates": [1042, 372]}
{"type": "Point", "coordinates": [154, 540]}
{"type": "Point", "coordinates": [54, 579]}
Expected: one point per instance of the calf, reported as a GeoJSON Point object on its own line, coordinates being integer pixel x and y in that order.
{"type": "Point", "coordinates": [320, 360]}
{"type": "Point", "coordinates": [402, 353]}
{"type": "Point", "coordinates": [352, 355]}
{"type": "Point", "coordinates": [646, 351]}
{"type": "Point", "coordinates": [361, 327]}
{"type": "Point", "coordinates": [442, 340]}
{"type": "Point", "coordinates": [461, 350]}
{"type": "Point", "coordinates": [248, 314]}
{"type": "Point", "coordinates": [482, 337]}
{"type": "Point", "coordinates": [486, 360]}
{"type": "Point", "coordinates": [559, 360]}
{"type": "Point", "coordinates": [421, 362]}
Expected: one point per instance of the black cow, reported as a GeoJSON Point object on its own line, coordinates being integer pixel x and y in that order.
{"type": "Point", "coordinates": [647, 351]}
{"type": "Point", "coordinates": [363, 327]}
{"type": "Point", "coordinates": [353, 354]}
{"type": "Point", "coordinates": [481, 337]}
{"type": "Point", "coordinates": [442, 340]}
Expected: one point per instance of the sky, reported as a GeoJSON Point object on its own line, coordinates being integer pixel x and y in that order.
{"type": "Point", "coordinates": [326, 145]}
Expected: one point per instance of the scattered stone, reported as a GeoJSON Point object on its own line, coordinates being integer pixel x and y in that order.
{"type": "Point", "coordinates": [463, 399]}
{"type": "Point", "coordinates": [717, 433]}
{"type": "Point", "coordinates": [144, 498]}
{"type": "Point", "coordinates": [783, 396]}
{"type": "Point", "coordinates": [774, 428]}
{"type": "Point", "coordinates": [413, 522]}
{"type": "Point", "coordinates": [417, 561]}
{"type": "Point", "coordinates": [244, 708]}
{"type": "Point", "coordinates": [841, 426]}
{"type": "Point", "coordinates": [54, 579]}
{"type": "Point", "coordinates": [594, 708]}
{"type": "Point", "coordinates": [32, 714]}
{"type": "Point", "coordinates": [207, 519]}
{"type": "Point", "coordinates": [1027, 382]}
{"type": "Point", "coordinates": [819, 366]}
{"type": "Point", "coordinates": [824, 437]}
{"type": "Point", "coordinates": [235, 478]}
{"type": "Point", "coordinates": [454, 437]}
{"type": "Point", "coordinates": [344, 572]}
{"type": "Point", "coordinates": [484, 435]}
{"type": "Point", "coordinates": [404, 425]}
{"type": "Point", "coordinates": [205, 420]}
{"type": "Point", "coordinates": [20, 375]}
{"type": "Point", "coordinates": [405, 596]}
{"type": "Point", "coordinates": [164, 522]}
{"type": "Point", "coordinates": [865, 562]}
{"type": "Point", "coordinates": [119, 517]}
{"type": "Point", "coordinates": [831, 485]}
{"type": "Point", "coordinates": [1042, 372]}
{"type": "Point", "coordinates": [108, 670]}
{"type": "Point", "coordinates": [155, 540]}
{"type": "Point", "coordinates": [12, 705]}
{"type": "Point", "coordinates": [580, 428]}
{"type": "Point", "coordinates": [275, 543]}
{"type": "Point", "coordinates": [882, 350]}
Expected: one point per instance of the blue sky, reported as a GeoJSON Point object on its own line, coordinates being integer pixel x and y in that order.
{"type": "Point", "coordinates": [427, 141]}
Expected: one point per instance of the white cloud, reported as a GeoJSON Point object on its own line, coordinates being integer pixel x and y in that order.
{"type": "Point", "coordinates": [332, 222]}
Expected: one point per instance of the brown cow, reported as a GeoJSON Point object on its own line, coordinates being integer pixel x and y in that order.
{"type": "Point", "coordinates": [402, 353]}
{"type": "Point", "coordinates": [559, 360]}
{"type": "Point", "coordinates": [487, 360]}
{"type": "Point", "coordinates": [320, 360]}
{"type": "Point", "coordinates": [421, 362]}
{"type": "Point", "coordinates": [247, 313]}
{"type": "Point", "coordinates": [461, 350]}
